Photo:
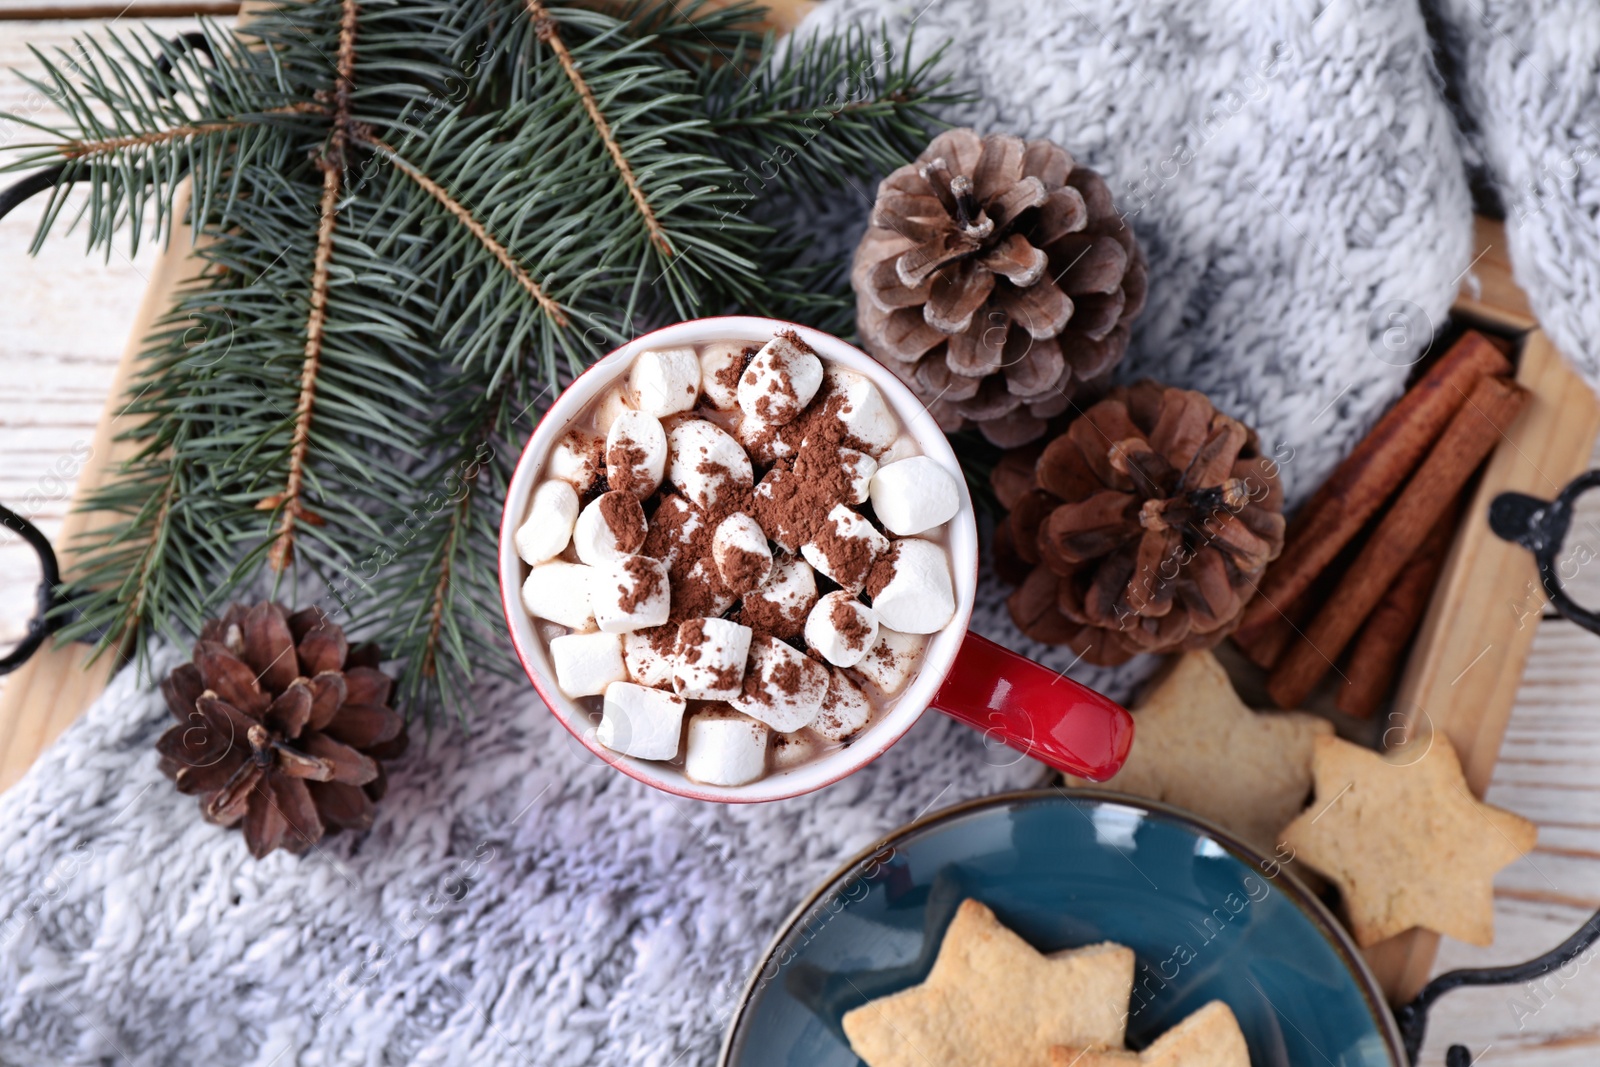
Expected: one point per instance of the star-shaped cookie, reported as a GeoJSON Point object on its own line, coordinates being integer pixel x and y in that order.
{"type": "Point", "coordinates": [1197, 746]}
{"type": "Point", "coordinates": [1405, 841]}
{"type": "Point", "coordinates": [1209, 1037]}
{"type": "Point", "coordinates": [990, 992]}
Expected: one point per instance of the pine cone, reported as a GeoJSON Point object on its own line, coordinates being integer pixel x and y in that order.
{"type": "Point", "coordinates": [281, 727]}
{"type": "Point", "coordinates": [1146, 524]}
{"type": "Point", "coordinates": [997, 279]}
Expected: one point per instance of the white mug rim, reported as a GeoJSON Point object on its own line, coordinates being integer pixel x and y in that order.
{"type": "Point", "coordinates": [942, 646]}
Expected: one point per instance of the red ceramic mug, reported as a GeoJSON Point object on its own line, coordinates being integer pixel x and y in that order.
{"type": "Point", "coordinates": [1012, 699]}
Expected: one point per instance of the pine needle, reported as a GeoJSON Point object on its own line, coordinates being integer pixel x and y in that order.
{"type": "Point", "coordinates": [422, 219]}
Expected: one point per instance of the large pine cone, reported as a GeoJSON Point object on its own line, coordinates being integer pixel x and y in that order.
{"type": "Point", "coordinates": [996, 279]}
{"type": "Point", "coordinates": [1146, 524]}
{"type": "Point", "coordinates": [281, 726]}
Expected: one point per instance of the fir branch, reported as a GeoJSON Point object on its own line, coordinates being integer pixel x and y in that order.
{"type": "Point", "coordinates": [549, 32]}
{"type": "Point", "coordinates": [133, 138]}
{"type": "Point", "coordinates": [493, 211]}
{"type": "Point", "coordinates": [813, 117]}
{"type": "Point", "coordinates": [291, 509]}
{"type": "Point", "coordinates": [459, 211]}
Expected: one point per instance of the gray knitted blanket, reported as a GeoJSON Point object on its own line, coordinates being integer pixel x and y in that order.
{"type": "Point", "coordinates": [1298, 181]}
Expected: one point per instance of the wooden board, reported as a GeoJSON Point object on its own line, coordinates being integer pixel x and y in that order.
{"type": "Point", "coordinates": [113, 10]}
{"type": "Point", "coordinates": [47, 693]}
{"type": "Point", "coordinates": [1489, 292]}
{"type": "Point", "coordinates": [1463, 678]}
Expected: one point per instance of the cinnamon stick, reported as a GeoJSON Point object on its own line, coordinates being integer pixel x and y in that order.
{"type": "Point", "coordinates": [1368, 476]}
{"type": "Point", "coordinates": [1471, 434]}
{"type": "Point", "coordinates": [1379, 649]}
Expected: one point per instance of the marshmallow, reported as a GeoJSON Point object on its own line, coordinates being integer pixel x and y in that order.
{"type": "Point", "coordinates": [917, 598]}
{"type": "Point", "coordinates": [548, 527]}
{"type": "Point", "coordinates": [845, 548]}
{"type": "Point", "coordinates": [905, 446]}
{"type": "Point", "coordinates": [721, 364]}
{"type": "Point", "coordinates": [560, 592]}
{"type": "Point", "coordinates": [636, 453]}
{"type": "Point", "coordinates": [866, 417]}
{"type": "Point", "coordinates": [578, 458]}
{"type": "Point", "coordinates": [914, 495]}
{"type": "Point", "coordinates": [760, 439]}
{"type": "Point", "coordinates": [704, 460]}
{"type": "Point", "coordinates": [641, 722]}
{"type": "Point", "coordinates": [773, 499]}
{"type": "Point", "coordinates": [704, 574]}
{"type": "Point", "coordinates": [725, 748]}
{"type": "Point", "coordinates": [779, 605]}
{"type": "Point", "coordinates": [794, 750]}
{"type": "Point", "coordinates": [587, 663]}
{"type": "Point", "coordinates": [780, 381]}
{"type": "Point", "coordinates": [611, 407]}
{"type": "Point", "coordinates": [838, 377]}
{"type": "Point", "coordinates": [645, 664]}
{"type": "Point", "coordinates": [611, 526]}
{"type": "Point", "coordinates": [631, 594]}
{"type": "Point", "coordinates": [783, 687]}
{"type": "Point", "coordinates": [740, 550]}
{"type": "Point", "coordinates": [892, 660]}
{"type": "Point", "coordinates": [665, 380]}
{"type": "Point", "coordinates": [845, 710]}
{"type": "Point", "coordinates": [860, 467]}
{"type": "Point", "coordinates": [672, 528]}
{"type": "Point", "coordinates": [841, 628]}
{"type": "Point", "coordinates": [709, 659]}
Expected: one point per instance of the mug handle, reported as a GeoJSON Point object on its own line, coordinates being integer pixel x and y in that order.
{"type": "Point", "coordinates": [1036, 710]}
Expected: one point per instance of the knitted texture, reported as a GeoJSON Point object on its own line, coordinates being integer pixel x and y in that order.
{"type": "Point", "coordinates": [1527, 78]}
{"type": "Point", "coordinates": [517, 902]}
{"type": "Point", "coordinates": [1292, 175]}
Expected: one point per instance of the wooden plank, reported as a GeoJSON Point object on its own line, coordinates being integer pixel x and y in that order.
{"type": "Point", "coordinates": [1490, 292]}
{"type": "Point", "coordinates": [1546, 772]}
{"type": "Point", "coordinates": [113, 11]}
{"type": "Point", "coordinates": [48, 692]}
{"type": "Point", "coordinates": [1474, 641]}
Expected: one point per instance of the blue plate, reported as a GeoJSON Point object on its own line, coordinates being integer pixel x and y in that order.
{"type": "Point", "coordinates": [1205, 916]}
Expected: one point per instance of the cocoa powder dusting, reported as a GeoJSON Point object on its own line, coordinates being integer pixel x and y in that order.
{"type": "Point", "coordinates": [645, 582]}
{"type": "Point", "coordinates": [781, 621]}
{"type": "Point", "coordinates": [753, 689]}
{"type": "Point", "coordinates": [787, 677]}
{"type": "Point", "coordinates": [780, 400]}
{"type": "Point", "coordinates": [729, 677]}
{"type": "Point", "coordinates": [680, 535]}
{"type": "Point", "coordinates": [728, 374]}
{"type": "Point", "coordinates": [847, 620]}
{"type": "Point", "coordinates": [663, 639]}
{"type": "Point", "coordinates": [624, 463]}
{"type": "Point", "coordinates": [743, 569]}
{"type": "Point", "coordinates": [883, 570]}
{"type": "Point", "coordinates": [691, 637]}
{"type": "Point", "coordinates": [666, 539]}
{"type": "Point", "coordinates": [849, 558]}
{"type": "Point", "coordinates": [624, 517]}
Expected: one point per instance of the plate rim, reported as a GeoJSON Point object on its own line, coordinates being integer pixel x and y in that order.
{"type": "Point", "coordinates": [1318, 912]}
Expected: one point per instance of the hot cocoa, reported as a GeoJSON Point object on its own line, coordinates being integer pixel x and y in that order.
{"type": "Point", "coordinates": [737, 557]}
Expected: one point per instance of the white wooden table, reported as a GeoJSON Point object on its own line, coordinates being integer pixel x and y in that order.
{"type": "Point", "coordinates": [64, 319]}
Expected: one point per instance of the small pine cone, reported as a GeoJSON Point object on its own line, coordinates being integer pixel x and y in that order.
{"type": "Point", "coordinates": [1146, 525]}
{"type": "Point", "coordinates": [997, 280]}
{"type": "Point", "coordinates": [281, 727]}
